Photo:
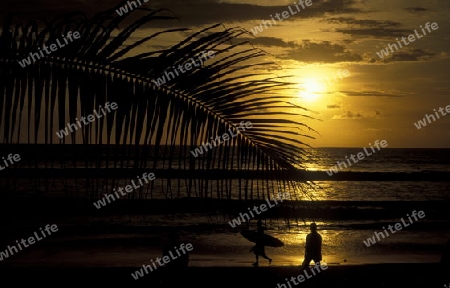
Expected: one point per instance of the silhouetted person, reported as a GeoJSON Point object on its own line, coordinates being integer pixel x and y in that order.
{"type": "Point", "coordinates": [258, 249]}
{"type": "Point", "coordinates": [313, 247]}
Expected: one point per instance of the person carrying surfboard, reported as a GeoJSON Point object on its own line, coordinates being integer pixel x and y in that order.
{"type": "Point", "coordinates": [259, 249]}
{"type": "Point", "coordinates": [313, 247]}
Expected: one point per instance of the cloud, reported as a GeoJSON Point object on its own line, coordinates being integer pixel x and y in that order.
{"type": "Point", "coordinates": [270, 41]}
{"type": "Point", "coordinates": [373, 93]}
{"type": "Point", "coordinates": [308, 51]}
{"type": "Point", "coordinates": [378, 32]}
{"type": "Point", "coordinates": [349, 115]}
{"type": "Point", "coordinates": [334, 106]}
{"type": "Point", "coordinates": [368, 27]}
{"type": "Point", "coordinates": [323, 51]}
{"type": "Point", "coordinates": [415, 9]}
{"type": "Point", "coordinates": [191, 12]}
{"type": "Point", "coordinates": [207, 12]}
{"type": "Point", "coordinates": [404, 54]}
{"type": "Point", "coordinates": [411, 55]}
{"type": "Point", "coordinates": [365, 22]}
{"type": "Point", "coordinates": [357, 115]}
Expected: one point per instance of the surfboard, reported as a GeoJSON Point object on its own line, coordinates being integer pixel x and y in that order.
{"type": "Point", "coordinates": [266, 240]}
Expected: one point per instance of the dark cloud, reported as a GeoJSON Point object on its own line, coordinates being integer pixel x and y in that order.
{"type": "Point", "coordinates": [406, 54]}
{"type": "Point", "coordinates": [194, 12]}
{"type": "Point", "coordinates": [379, 32]}
{"type": "Point", "coordinates": [415, 9]}
{"type": "Point", "coordinates": [308, 51]}
{"type": "Point", "coordinates": [334, 106]}
{"type": "Point", "coordinates": [349, 115]}
{"type": "Point", "coordinates": [372, 93]}
{"type": "Point", "coordinates": [270, 41]}
{"type": "Point", "coordinates": [323, 51]}
{"type": "Point", "coordinates": [26, 10]}
{"type": "Point", "coordinates": [190, 12]}
{"type": "Point", "coordinates": [367, 27]}
{"type": "Point", "coordinates": [365, 23]}
{"type": "Point", "coordinates": [358, 115]}
{"type": "Point", "coordinates": [412, 55]}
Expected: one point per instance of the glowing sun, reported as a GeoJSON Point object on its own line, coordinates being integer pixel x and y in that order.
{"type": "Point", "coordinates": [311, 89]}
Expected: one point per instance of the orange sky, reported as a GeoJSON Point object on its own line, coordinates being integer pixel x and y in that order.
{"type": "Point", "coordinates": [379, 98]}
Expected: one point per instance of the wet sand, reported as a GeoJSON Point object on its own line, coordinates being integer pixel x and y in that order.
{"type": "Point", "coordinates": [377, 275]}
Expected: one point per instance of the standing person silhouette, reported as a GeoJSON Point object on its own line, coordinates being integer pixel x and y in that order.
{"type": "Point", "coordinates": [313, 247]}
{"type": "Point", "coordinates": [258, 249]}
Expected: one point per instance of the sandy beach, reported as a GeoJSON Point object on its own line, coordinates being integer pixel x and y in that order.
{"type": "Point", "coordinates": [380, 275]}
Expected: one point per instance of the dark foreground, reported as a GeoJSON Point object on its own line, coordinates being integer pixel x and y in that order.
{"type": "Point", "coordinates": [380, 275]}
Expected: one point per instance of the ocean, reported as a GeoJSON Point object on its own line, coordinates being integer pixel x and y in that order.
{"type": "Point", "coordinates": [346, 212]}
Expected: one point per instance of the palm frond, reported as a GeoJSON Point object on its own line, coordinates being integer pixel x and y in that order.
{"type": "Point", "coordinates": [169, 120]}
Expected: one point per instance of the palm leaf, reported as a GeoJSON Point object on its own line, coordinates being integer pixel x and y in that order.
{"type": "Point", "coordinates": [168, 120]}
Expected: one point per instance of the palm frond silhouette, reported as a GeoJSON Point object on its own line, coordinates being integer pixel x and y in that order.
{"type": "Point", "coordinates": [155, 127]}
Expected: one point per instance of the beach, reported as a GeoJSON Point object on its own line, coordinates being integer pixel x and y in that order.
{"type": "Point", "coordinates": [373, 276]}
{"type": "Point", "coordinates": [108, 244]}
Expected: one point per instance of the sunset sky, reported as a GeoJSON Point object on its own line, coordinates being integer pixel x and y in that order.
{"type": "Point", "coordinates": [380, 98]}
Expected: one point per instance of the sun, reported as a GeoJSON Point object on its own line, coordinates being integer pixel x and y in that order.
{"type": "Point", "coordinates": [311, 89]}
